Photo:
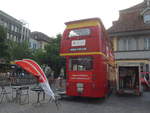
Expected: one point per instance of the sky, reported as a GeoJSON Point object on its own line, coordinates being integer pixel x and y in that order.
{"type": "Point", "coordinates": [49, 16]}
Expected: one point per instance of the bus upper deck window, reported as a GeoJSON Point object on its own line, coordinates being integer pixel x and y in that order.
{"type": "Point", "coordinates": [80, 32]}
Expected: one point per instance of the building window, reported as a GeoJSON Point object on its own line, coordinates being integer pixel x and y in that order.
{"type": "Point", "coordinates": [132, 44]}
{"type": "Point", "coordinates": [7, 35]}
{"type": "Point", "coordinates": [11, 36]}
{"type": "Point", "coordinates": [15, 38]}
{"type": "Point", "coordinates": [18, 29]}
{"type": "Point", "coordinates": [23, 38]}
{"type": "Point", "coordinates": [147, 18]}
{"type": "Point", "coordinates": [147, 43]}
{"type": "Point", "coordinates": [30, 44]}
{"type": "Point", "coordinates": [41, 45]}
{"type": "Point", "coordinates": [120, 45]}
{"type": "Point", "coordinates": [1, 22]}
{"type": "Point", "coordinates": [35, 37]}
{"type": "Point", "coordinates": [12, 27]}
{"type": "Point", "coordinates": [15, 28]}
{"type": "Point", "coordinates": [125, 44]}
{"type": "Point", "coordinates": [5, 24]}
{"type": "Point", "coordinates": [34, 46]}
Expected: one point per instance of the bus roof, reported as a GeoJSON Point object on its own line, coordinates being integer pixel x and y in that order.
{"type": "Point", "coordinates": [83, 23]}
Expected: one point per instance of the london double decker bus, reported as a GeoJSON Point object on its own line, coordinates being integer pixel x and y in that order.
{"type": "Point", "coordinates": [90, 65]}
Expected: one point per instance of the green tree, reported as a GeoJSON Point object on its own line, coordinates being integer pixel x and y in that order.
{"type": "Point", "coordinates": [19, 50]}
{"type": "Point", "coordinates": [3, 43]}
{"type": "Point", "coordinates": [39, 56]}
{"type": "Point", "coordinates": [53, 58]}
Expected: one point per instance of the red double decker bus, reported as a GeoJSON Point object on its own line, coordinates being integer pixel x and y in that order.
{"type": "Point", "coordinates": [90, 65]}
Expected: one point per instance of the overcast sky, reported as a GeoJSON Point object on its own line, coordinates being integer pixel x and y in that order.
{"type": "Point", "coordinates": [49, 16]}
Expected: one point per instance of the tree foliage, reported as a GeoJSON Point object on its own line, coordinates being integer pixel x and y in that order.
{"type": "Point", "coordinates": [39, 56]}
{"type": "Point", "coordinates": [10, 50]}
{"type": "Point", "coordinates": [53, 58]}
{"type": "Point", "coordinates": [15, 51]}
{"type": "Point", "coordinates": [19, 50]}
{"type": "Point", "coordinates": [3, 43]}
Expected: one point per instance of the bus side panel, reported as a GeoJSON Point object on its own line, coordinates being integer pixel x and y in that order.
{"type": "Point", "coordinates": [101, 76]}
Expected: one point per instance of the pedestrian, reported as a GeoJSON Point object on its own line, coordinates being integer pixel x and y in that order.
{"type": "Point", "coordinates": [60, 78]}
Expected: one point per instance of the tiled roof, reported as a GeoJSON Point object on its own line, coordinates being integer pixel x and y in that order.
{"type": "Point", "coordinates": [130, 20]}
{"type": "Point", "coordinates": [40, 36]}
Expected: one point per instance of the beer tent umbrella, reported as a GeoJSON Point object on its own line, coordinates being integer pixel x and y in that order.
{"type": "Point", "coordinates": [33, 68]}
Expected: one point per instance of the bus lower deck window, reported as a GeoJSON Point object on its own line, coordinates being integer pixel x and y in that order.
{"type": "Point", "coordinates": [81, 63]}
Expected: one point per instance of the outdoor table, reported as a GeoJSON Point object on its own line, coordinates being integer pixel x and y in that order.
{"type": "Point", "coordinates": [16, 90]}
{"type": "Point", "coordinates": [38, 91]}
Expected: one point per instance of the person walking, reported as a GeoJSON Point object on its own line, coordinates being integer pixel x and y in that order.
{"type": "Point", "coordinates": [60, 78]}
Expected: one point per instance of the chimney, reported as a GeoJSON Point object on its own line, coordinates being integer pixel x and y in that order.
{"type": "Point", "coordinates": [147, 2]}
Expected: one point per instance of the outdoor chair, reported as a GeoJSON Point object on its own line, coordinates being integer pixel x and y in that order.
{"type": "Point", "coordinates": [4, 94]}
{"type": "Point", "coordinates": [4, 82]}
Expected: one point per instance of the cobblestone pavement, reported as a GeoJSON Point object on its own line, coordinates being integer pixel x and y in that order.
{"type": "Point", "coordinates": [113, 104]}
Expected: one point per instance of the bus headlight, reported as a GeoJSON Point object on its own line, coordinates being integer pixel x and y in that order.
{"type": "Point", "coordinates": [80, 87]}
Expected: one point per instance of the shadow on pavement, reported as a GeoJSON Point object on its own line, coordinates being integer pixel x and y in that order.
{"type": "Point", "coordinates": [128, 95]}
{"type": "Point", "coordinates": [84, 100]}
